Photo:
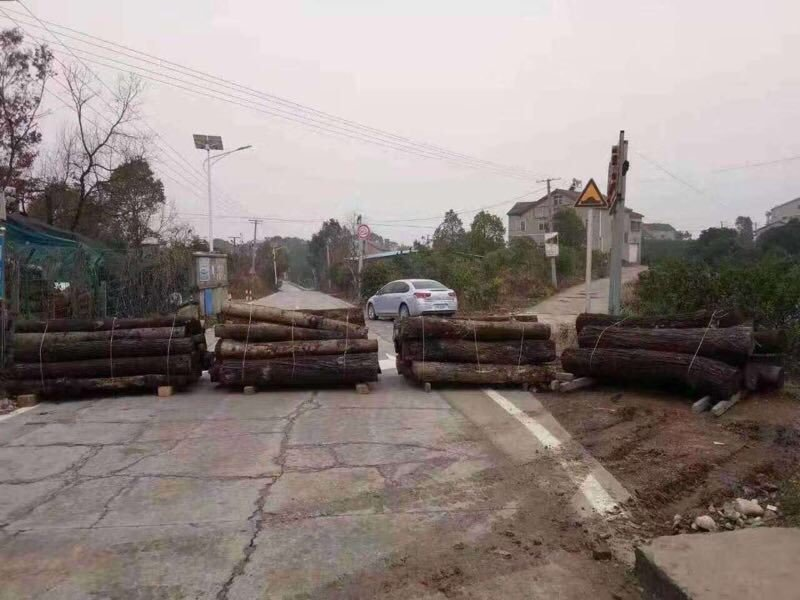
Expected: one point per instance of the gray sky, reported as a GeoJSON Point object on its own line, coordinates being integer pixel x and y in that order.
{"type": "Point", "coordinates": [546, 86]}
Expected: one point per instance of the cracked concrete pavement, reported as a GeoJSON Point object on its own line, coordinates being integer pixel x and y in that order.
{"type": "Point", "coordinates": [290, 494]}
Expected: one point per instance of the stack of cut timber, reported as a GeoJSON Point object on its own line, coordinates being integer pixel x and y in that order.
{"type": "Point", "coordinates": [264, 346]}
{"type": "Point", "coordinates": [67, 357]}
{"type": "Point", "coordinates": [487, 352]}
{"type": "Point", "coordinates": [707, 357]}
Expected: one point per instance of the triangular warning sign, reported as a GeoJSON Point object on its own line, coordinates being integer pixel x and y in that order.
{"type": "Point", "coordinates": [591, 197]}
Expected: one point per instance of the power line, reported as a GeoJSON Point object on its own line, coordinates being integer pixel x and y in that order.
{"type": "Point", "coordinates": [671, 174]}
{"type": "Point", "coordinates": [754, 165]}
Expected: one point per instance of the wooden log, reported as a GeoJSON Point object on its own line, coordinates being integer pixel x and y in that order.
{"type": "Point", "coordinates": [290, 317]}
{"type": "Point", "coordinates": [69, 386]}
{"type": "Point", "coordinates": [232, 349]}
{"type": "Point", "coordinates": [437, 327]}
{"type": "Point", "coordinates": [496, 318]}
{"type": "Point", "coordinates": [575, 384]}
{"type": "Point", "coordinates": [762, 376]}
{"type": "Point", "coordinates": [149, 333]}
{"type": "Point", "coordinates": [705, 403]}
{"type": "Point", "coordinates": [467, 351]}
{"type": "Point", "coordinates": [489, 374]}
{"type": "Point", "coordinates": [182, 364]}
{"type": "Point", "coordinates": [771, 341]}
{"type": "Point", "coordinates": [192, 326]}
{"type": "Point", "coordinates": [51, 351]}
{"type": "Point", "coordinates": [353, 315]}
{"type": "Point", "coordinates": [696, 319]}
{"type": "Point", "coordinates": [269, 332]}
{"type": "Point", "coordinates": [706, 376]}
{"type": "Point", "coordinates": [306, 370]}
{"type": "Point", "coordinates": [724, 406]}
{"type": "Point", "coordinates": [731, 345]}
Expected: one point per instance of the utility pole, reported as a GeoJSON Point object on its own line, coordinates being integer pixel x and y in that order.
{"type": "Point", "coordinates": [255, 223]}
{"type": "Point", "coordinates": [553, 276]}
{"type": "Point", "coordinates": [617, 172]}
{"type": "Point", "coordinates": [275, 262]}
{"type": "Point", "coordinates": [233, 239]}
{"type": "Point", "coordinates": [328, 261]}
{"type": "Point", "coordinates": [361, 244]}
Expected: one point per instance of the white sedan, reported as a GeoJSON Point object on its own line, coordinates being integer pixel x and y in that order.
{"type": "Point", "coordinates": [412, 297]}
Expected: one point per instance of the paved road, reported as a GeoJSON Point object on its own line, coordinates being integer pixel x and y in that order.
{"type": "Point", "coordinates": [291, 296]}
{"type": "Point", "coordinates": [303, 494]}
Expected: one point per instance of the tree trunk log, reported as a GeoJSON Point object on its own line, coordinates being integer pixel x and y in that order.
{"type": "Point", "coordinates": [34, 339]}
{"type": "Point", "coordinates": [67, 386]}
{"type": "Point", "coordinates": [227, 349]}
{"type": "Point", "coordinates": [437, 327]}
{"type": "Point", "coordinates": [182, 364]}
{"type": "Point", "coordinates": [706, 376]}
{"type": "Point", "coordinates": [731, 345]}
{"type": "Point", "coordinates": [465, 351]}
{"type": "Point", "coordinates": [192, 326]}
{"type": "Point", "coordinates": [440, 372]}
{"type": "Point", "coordinates": [771, 341]}
{"type": "Point", "coordinates": [291, 317]}
{"type": "Point", "coordinates": [60, 351]}
{"type": "Point", "coordinates": [269, 332]}
{"type": "Point", "coordinates": [353, 315]}
{"type": "Point", "coordinates": [495, 318]}
{"type": "Point", "coordinates": [692, 320]}
{"type": "Point", "coordinates": [306, 370]}
{"type": "Point", "coordinates": [762, 376]}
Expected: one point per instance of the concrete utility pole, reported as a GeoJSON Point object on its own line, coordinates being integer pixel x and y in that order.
{"type": "Point", "coordinates": [617, 172]}
{"type": "Point", "coordinates": [255, 223]}
{"type": "Point", "coordinates": [361, 244]}
{"type": "Point", "coordinates": [275, 263]}
{"type": "Point", "coordinates": [553, 276]}
{"type": "Point", "coordinates": [328, 261]}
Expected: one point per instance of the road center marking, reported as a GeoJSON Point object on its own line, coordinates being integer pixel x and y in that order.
{"type": "Point", "coordinates": [19, 411]}
{"type": "Point", "coordinates": [547, 439]}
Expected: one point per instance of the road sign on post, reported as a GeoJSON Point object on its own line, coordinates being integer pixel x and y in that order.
{"type": "Point", "coordinates": [363, 231]}
{"type": "Point", "coordinates": [590, 198]}
{"type": "Point", "coordinates": [617, 169]}
{"type": "Point", "coordinates": [551, 251]}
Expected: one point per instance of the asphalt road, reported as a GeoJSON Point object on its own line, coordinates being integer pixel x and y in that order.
{"type": "Point", "coordinates": [304, 494]}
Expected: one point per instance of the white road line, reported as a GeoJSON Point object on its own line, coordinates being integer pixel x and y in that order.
{"type": "Point", "coordinates": [547, 439]}
{"type": "Point", "coordinates": [19, 411]}
{"type": "Point", "coordinates": [597, 496]}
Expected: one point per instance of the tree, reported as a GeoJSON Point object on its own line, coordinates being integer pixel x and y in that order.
{"type": "Point", "coordinates": [487, 233]}
{"type": "Point", "coordinates": [450, 235]}
{"type": "Point", "coordinates": [744, 227]}
{"type": "Point", "coordinates": [716, 244]}
{"type": "Point", "coordinates": [23, 75]}
{"type": "Point", "coordinates": [332, 244]}
{"type": "Point", "coordinates": [783, 239]}
{"type": "Point", "coordinates": [683, 235]}
{"type": "Point", "coordinates": [570, 228]}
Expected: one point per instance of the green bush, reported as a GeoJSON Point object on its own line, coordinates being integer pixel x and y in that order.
{"type": "Point", "coordinates": [570, 262]}
{"type": "Point", "coordinates": [375, 275]}
{"type": "Point", "coordinates": [654, 251]}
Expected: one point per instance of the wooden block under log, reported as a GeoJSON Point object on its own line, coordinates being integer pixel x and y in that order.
{"type": "Point", "coordinates": [303, 370]}
{"type": "Point", "coordinates": [290, 317]}
{"type": "Point", "coordinates": [165, 391]}
{"type": "Point", "coordinates": [26, 400]}
{"type": "Point", "coordinates": [227, 349]}
{"type": "Point", "coordinates": [191, 325]}
{"type": "Point", "coordinates": [706, 375]}
{"type": "Point", "coordinates": [182, 364]}
{"type": "Point", "coordinates": [55, 351]}
{"type": "Point", "coordinates": [437, 327]}
{"type": "Point", "coordinates": [70, 387]}
{"type": "Point", "coordinates": [576, 384]}
{"type": "Point", "coordinates": [724, 406]}
{"type": "Point", "coordinates": [441, 372]}
{"type": "Point", "coordinates": [702, 405]}
{"type": "Point", "coordinates": [702, 318]}
{"type": "Point", "coordinates": [467, 351]}
{"type": "Point", "coordinates": [269, 332]}
{"type": "Point", "coordinates": [30, 340]}
{"type": "Point", "coordinates": [731, 345]}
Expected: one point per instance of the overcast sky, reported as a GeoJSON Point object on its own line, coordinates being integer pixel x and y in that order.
{"type": "Point", "coordinates": [545, 86]}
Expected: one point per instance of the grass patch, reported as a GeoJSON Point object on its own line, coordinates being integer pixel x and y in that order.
{"type": "Point", "coordinates": [789, 496]}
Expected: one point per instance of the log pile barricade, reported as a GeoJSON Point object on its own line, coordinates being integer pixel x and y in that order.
{"type": "Point", "coordinates": [66, 358]}
{"type": "Point", "coordinates": [263, 347]}
{"type": "Point", "coordinates": [720, 359]}
{"type": "Point", "coordinates": [496, 350]}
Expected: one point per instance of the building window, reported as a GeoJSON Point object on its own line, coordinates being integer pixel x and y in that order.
{"type": "Point", "coordinates": [636, 226]}
{"type": "Point", "coordinates": [542, 226]}
{"type": "Point", "coordinates": [522, 225]}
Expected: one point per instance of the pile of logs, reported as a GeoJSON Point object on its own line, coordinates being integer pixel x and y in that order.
{"type": "Point", "coordinates": [69, 357]}
{"type": "Point", "coordinates": [493, 351]}
{"type": "Point", "coordinates": [710, 353]}
{"type": "Point", "coordinates": [262, 346]}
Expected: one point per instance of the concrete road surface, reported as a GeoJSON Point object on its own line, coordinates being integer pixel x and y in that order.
{"type": "Point", "coordinates": [291, 296]}
{"type": "Point", "coordinates": [396, 494]}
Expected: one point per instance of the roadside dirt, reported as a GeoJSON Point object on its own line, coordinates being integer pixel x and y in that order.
{"type": "Point", "coordinates": [675, 462]}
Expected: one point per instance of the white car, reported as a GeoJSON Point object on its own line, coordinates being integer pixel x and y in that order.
{"type": "Point", "coordinates": [412, 297]}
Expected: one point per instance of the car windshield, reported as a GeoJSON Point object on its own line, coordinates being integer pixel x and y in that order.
{"type": "Point", "coordinates": [428, 284]}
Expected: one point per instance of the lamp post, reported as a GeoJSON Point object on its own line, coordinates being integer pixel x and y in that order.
{"type": "Point", "coordinates": [209, 143]}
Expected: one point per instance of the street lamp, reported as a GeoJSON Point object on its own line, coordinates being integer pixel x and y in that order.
{"type": "Point", "coordinates": [209, 143]}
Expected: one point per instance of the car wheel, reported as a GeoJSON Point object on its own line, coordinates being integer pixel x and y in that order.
{"type": "Point", "coordinates": [404, 312]}
{"type": "Point", "coordinates": [371, 313]}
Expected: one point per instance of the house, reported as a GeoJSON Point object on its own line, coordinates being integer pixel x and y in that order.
{"type": "Point", "coordinates": [659, 231]}
{"type": "Point", "coordinates": [780, 215]}
{"type": "Point", "coordinates": [534, 219]}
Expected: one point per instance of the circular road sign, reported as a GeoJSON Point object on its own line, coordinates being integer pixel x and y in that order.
{"type": "Point", "coordinates": [362, 232]}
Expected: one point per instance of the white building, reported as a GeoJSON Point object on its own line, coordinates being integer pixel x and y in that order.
{"type": "Point", "coordinates": [780, 215]}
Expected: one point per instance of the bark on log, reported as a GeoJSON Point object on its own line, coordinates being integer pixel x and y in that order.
{"type": "Point", "coordinates": [192, 326]}
{"type": "Point", "coordinates": [61, 351]}
{"type": "Point", "coordinates": [437, 327]}
{"type": "Point", "coordinates": [67, 386]}
{"type": "Point", "coordinates": [464, 351]}
{"type": "Point", "coordinates": [353, 315]}
{"type": "Point", "coordinates": [696, 319]}
{"type": "Point", "coordinates": [182, 364]}
{"type": "Point", "coordinates": [495, 318]}
{"type": "Point", "coordinates": [290, 317]}
{"type": "Point", "coordinates": [228, 349]}
{"type": "Point", "coordinates": [769, 341]}
{"type": "Point", "coordinates": [306, 370]}
{"type": "Point", "coordinates": [731, 345]}
{"type": "Point", "coordinates": [269, 332]}
{"type": "Point", "coordinates": [34, 339]}
{"type": "Point", "coordinates": [762, 376]}
{"type": "Point", "coordinates": [706, 376]}
{"type": "Point", "coordinates": [440, 372]}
